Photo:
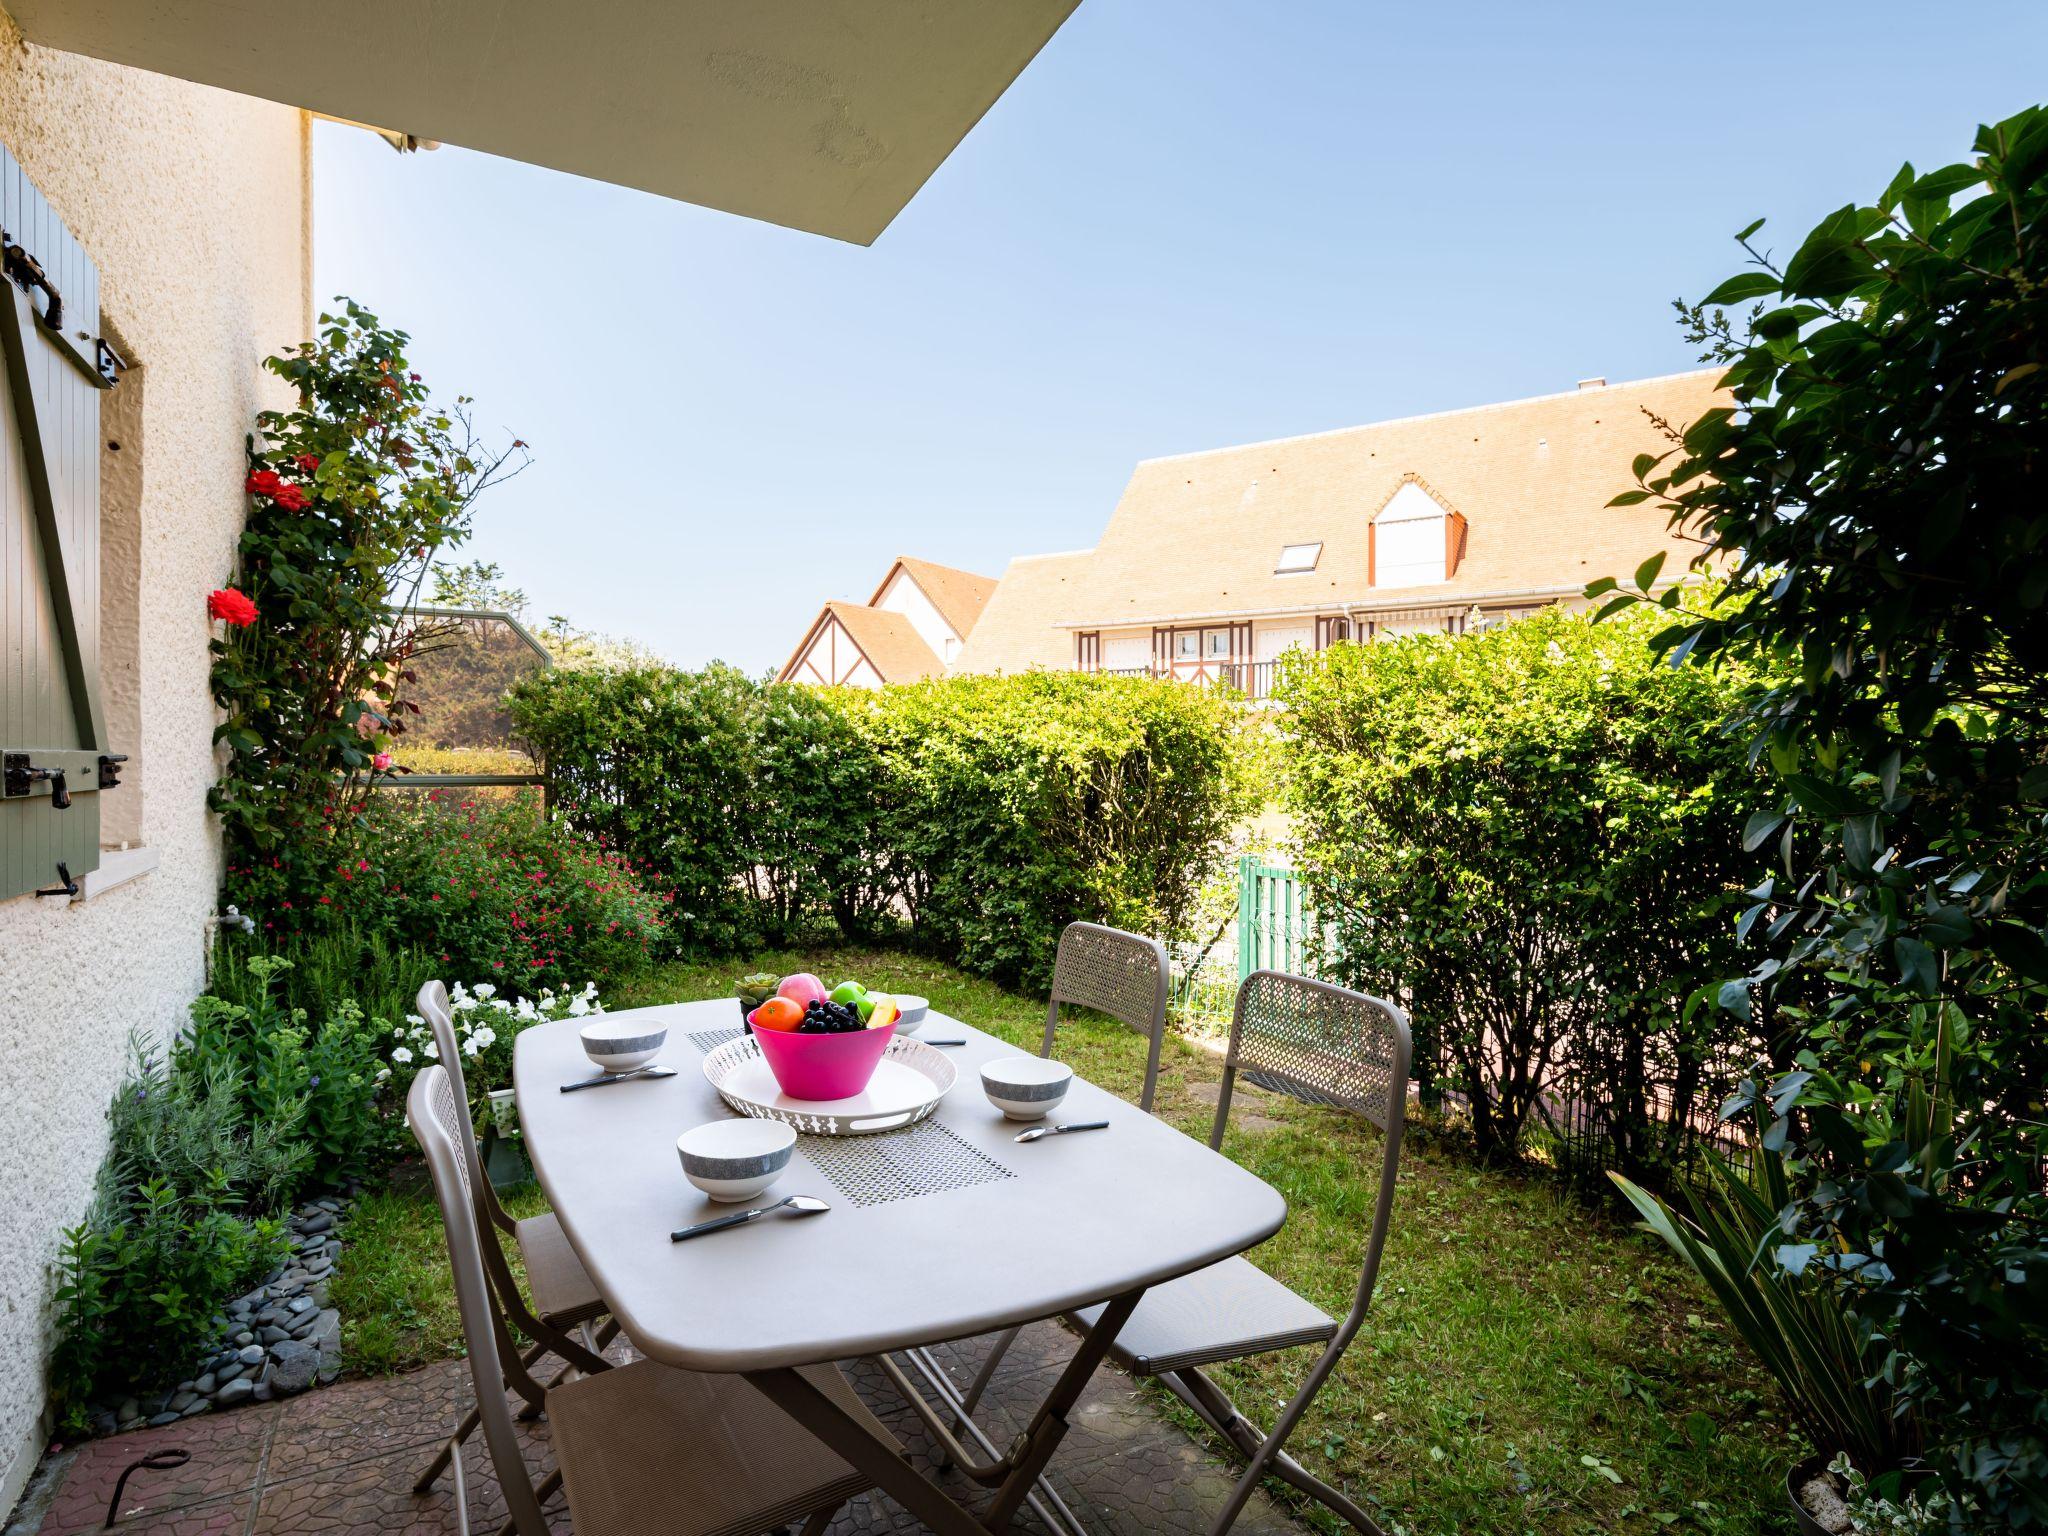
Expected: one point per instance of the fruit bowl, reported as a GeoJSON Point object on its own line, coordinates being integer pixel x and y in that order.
{"type": "Point", "coordinates": [821, 1067]}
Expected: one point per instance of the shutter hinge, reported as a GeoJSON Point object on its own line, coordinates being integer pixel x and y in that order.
{"type": "Point", "coordinates": [68, 885]}
{"type": "Point", "coordinates": [28, 272]}
{"type": "Point", "coordinates": [110, 769]}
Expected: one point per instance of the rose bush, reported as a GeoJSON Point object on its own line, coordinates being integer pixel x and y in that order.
{"type": "Point", "coordinates": [353, 492]}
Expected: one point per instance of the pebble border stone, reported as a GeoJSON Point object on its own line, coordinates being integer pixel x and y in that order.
{"type": "Point", "coordinates": [278, 1340]}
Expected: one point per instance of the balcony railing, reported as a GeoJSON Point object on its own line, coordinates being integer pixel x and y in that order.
{"type": "Point", "coordinates": [1253, 679]}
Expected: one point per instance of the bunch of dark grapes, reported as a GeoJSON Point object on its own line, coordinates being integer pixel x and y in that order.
{"type": "Point", "coordinates": [829, 1018]}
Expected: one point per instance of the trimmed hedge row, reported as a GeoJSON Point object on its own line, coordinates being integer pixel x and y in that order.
{"type": "Point", "coordinates": [982, 813]}
{"type": "Point", "coordinates": [1526, 833]}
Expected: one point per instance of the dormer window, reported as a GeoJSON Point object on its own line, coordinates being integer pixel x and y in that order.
{"type": "Point", "coordinates": [1295, 559]}
{"type": "Point", "coordinates": [1415, 541]}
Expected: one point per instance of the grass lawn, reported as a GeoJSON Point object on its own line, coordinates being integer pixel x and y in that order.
{"type": "Point", "coordinates": [1528, 1366]}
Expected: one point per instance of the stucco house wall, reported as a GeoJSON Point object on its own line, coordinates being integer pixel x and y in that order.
{"type": "Point", "coordinates": [195, 205]}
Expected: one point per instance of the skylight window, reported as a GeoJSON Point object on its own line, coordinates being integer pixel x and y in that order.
{"type": "Point", "coordinates": [1296, 558]}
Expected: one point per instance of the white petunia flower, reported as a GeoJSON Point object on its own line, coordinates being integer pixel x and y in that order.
{"type": "Point", "coordinates": [401, 1054]}
{"type": "Point", "coordinates": [433, 1051]}
{"type": "Point", "coordinates": [484, 1039]}
{"type": "Point", "coordinates": [486, 989]}
{"type": "Point", "coordinates": [471, 1047]}
{"type": "Point", "coordinates": [578, 1007]}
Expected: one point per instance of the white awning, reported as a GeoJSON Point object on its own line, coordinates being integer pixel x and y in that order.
{"type": "Point", "coordinates": [823, 115]}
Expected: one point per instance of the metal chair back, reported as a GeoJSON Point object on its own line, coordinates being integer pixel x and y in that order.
{"type": "Point", "coordinates": [1124, 975]}
{"type": "Point", "coordinates": [433, 1110]}
{"type": "Point", "coordinates": [1298, 1033]}
{"type": "Point", "coordinates": [433, 1006]}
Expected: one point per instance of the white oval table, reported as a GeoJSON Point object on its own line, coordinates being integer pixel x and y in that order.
{"type": "Point", "coordinates": [943, 1231]}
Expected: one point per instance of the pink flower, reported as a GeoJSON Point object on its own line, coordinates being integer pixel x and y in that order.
{"type": "Point", "coordinates": [381, 762]}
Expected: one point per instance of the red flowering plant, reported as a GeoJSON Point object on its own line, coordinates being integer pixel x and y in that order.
{"type": "Point", "coordinates": [231, 607]}
{"type": "Point", "coordinates": [353, 492]}
{"type": "Point", "coordinates": [500, 892]}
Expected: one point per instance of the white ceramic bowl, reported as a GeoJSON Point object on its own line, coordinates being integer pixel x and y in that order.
{"type": "Point", "coordinates": [911, 1012]}
{"type": "Point", "coordinates": [1026, 1087]}
{"type": "Point", "coordinates": [620, 1045]}
{"type": "Point", "coordinates": [734, 1160]}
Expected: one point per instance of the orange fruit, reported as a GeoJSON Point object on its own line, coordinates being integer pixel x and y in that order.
{"type": "Point", "coordinates": [779, 1013]}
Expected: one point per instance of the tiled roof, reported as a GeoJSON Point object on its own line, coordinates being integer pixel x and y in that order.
{"type": "Point", "coordinates": [959, 595]}
{"type": "Point", "coordinates": [889, 641]}
{"type": "Point", "coordinates": [1199, 534]}
{"type": "Point", "coordinates": [1017, 629]}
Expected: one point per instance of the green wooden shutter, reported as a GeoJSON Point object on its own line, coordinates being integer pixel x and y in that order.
{"type": "Point", "coordinates": [56, 367]}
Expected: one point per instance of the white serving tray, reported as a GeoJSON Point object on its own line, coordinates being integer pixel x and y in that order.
{"type": "Point", "coordinates": [908, 1083]}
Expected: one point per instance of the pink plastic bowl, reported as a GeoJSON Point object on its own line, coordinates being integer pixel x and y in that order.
{"type": "Point", "coordinates": [823, 1066]}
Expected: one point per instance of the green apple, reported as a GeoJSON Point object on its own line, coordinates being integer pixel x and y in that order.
{"type": "Point", "coordinates": [864, 1006]}
{"type": "Point", "coordinates": [848, 993]}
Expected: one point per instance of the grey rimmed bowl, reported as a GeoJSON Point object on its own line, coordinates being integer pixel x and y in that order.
{"type": "Point", "coordinates": [734, 1160]}
{"type": "Point", "coordinates": [1026, 1087]}
{"type": "Point", "coordinates": [621, 1045]}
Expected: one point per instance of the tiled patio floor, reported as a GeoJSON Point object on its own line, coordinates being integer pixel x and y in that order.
{"type": "Point", "coordinates": [343, 1460]}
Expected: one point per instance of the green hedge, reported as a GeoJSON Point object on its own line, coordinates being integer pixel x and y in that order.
{"type": "Point", "coordinates": [983, 813]}
{"type": "Point", "coordinates": [1524, 833]}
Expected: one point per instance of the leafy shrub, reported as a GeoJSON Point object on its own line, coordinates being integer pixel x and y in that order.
{"type": "Point", "coordinates": [312, 1087]}
{"type": "Point", "coordinates": [174, 1229]}
{"type": "Point", "coordinates": [353, 492]}
{"type": "Point", "coordinates": [495, 888]}
{"type": "Point", "coordinates": [657, 763]}
{"type": "Point", "coordinates": [1879, 485]}
{"type": "Point", "coordinates": [1521, 832]}
{"type": "Point", "coordinates": [988, 811]}
{"type": "Point", "coordinates": [1016, 805]}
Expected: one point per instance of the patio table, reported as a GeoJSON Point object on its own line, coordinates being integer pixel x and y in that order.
{"type": "Point", "coordinates": [942, 1231]}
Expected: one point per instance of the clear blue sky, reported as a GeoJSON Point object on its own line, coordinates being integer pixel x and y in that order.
{"type": "Point", "coordinates": [1190, 223]}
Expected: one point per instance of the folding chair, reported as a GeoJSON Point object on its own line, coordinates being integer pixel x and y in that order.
{"type": "Point", "coordinates": [641, 1449]}
{"type": "Point", "coordinates": [1124, 975]}
{"type": "Point", "coordinates": [565, 1300]}
{"type": "Point", "coordinates": [1287, 1030]}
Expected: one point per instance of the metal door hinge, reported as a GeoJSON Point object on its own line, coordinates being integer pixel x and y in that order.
{"type": "Point", "coordinates": [110, 769]}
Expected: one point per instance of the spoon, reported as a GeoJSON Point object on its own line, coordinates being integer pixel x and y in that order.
{"type": "Point", "coordinates": [619, 1077]}
{"type": "Point", "coordinates": [803, 1205]}
{"type": "Point", "coordinates": [1061, 1130]}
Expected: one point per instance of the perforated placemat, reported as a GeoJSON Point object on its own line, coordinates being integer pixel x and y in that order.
{"type": "Point", "coordinates": [923, 1159]}
{"type": "Point", "coordinates": [709, 1040]}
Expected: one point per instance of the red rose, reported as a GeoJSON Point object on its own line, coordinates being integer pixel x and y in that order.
{"type": "Point", "coordinates": [231, 607]}
{"type": "Point", "coordinates": [262, 482]}
{"type": "Point", "coordinates": [290, 497]}
{"type": "Point", "coordinates": [308, 462]}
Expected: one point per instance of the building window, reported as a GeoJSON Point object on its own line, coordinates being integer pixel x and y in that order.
{"type": "Point", "coordinates": [1187, 643]}
{"type": "Point", "coordinates": [1216, 642]}
{"type": "Point", "coordinates": [1296, 558]}
{"type": "Point", "coordinates": [1410, 539]}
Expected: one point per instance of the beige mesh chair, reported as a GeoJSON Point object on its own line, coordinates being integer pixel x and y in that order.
{"type": "Point", "coordinates": [565, 1299]}
{"type": "Point", "coordinates": [641, 1448]}
{"type": "Point", "coordinates": [1126, 976]}
{"type": "Point", "coordinates": [1285, 1029]}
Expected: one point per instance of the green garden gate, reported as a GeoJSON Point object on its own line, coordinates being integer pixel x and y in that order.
{"type": "Point", "coordinates": [1274, 929]}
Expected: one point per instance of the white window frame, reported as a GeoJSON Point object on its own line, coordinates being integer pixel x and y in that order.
{"type": "Point", "coordinates": [1305, 558]}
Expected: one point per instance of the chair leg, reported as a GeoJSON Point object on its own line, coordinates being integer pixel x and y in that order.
{"type": "Point", "coordinates": [1263, 1453]}
{"type": "Point", "coordinates": [467, 1428]}
{"type": "Point", "coordinates": [820, 1519]}
{"type": "Point", "coordinates": [549, 1486]}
